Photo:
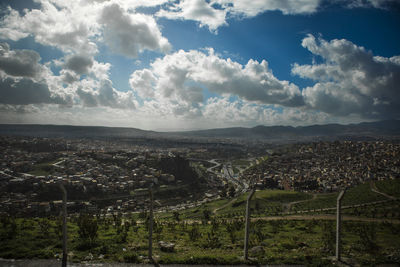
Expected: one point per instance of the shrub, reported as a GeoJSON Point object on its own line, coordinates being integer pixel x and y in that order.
{"type": "Point", "coordinates": [131, 257]}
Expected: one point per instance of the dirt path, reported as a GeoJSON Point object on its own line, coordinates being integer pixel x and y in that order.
{"type": "Point", "coordinates": [287, 207]}
{"type": "Point", "coordinates": [325, 217]}
{"type": "Point", "coordinates": [224, 206]}
{"type": "Point", "coordinates": [331, 217]}
{"type": "Point", "coordinates": [375, 190]}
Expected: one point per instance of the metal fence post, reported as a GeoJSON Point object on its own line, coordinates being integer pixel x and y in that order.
{"type": "Point", "coordinates": [151, 224]}
{"type": "Point", "coordinates": [246, 235]}
{"type": "Point", "coordinates": [64, 229]}
{"type": "Point", "coordinates": [339, 224]}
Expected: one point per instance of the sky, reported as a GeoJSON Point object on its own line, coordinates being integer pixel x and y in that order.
{"type": "Point", "coordinates": [199, 64]}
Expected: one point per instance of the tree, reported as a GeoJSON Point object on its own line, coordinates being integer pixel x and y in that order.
{"type": "Point", "coordinates": [44, 227]}
{"type": "Point", "coordinates": [87, 228]}
{"type": "Point", "coordinates": [230, 228]}
{"type": "Point", "coordinates": [194, 233]}
{"type": "Point", "coordinates": [231, 191]}
{"type": "Point", "coordinates": [176, 216]}
{"type": "Point", "coordinates": [206, 214]}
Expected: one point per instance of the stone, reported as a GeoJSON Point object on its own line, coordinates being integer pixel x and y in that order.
{"type": "Point", "coordinates": [257, 250]}
{"type": "Point", "coordinates": [166, 246]}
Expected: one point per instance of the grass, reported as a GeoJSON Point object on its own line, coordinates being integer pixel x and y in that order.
{"type": "Point", "coordinates": [356, 195]}
{"type": "Point", "coordinates": [284, 242]}
{"type": "Point", "coordinates": [390, 187]}
{"type": "Point", "coordinates": [220, 240]}
{"type": "Point", "coordinates": [43, 169]}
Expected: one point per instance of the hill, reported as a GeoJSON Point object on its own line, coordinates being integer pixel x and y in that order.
{"type": "Point", "coordinates": [389, 128]}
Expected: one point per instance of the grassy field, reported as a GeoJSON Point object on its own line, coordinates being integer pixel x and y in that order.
{"type": "Point", "coordinates": [390, 187]}
{"type": "Point", "coordinates": [43, 169]}
{"type": "Point", "coordinates": [217, 242]}
{"type": "Point", "coordinates": [357, 195]}
{"type": "Point", "coordinates": [213, 233]}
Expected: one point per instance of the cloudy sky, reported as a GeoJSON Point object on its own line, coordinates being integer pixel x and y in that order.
{"type": "Point", "coordinates": [196, 64]}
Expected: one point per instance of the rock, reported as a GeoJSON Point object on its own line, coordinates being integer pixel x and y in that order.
{"type": "Point", "coordinates": [302, 244]}
{"type": "Point", "coordinates": [89, 257]}
{"type": "Point", "coordinates": [257, 250]}
{"type": "Point", "coordinates": [166, 246]}
{"type": "Point", "coordinates": [71, 255]}
{"type": "Point", "coordinates": [101, 256]}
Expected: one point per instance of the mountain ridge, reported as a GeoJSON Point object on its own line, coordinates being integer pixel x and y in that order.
{"type": "Point", "coordinates": [378, 128]}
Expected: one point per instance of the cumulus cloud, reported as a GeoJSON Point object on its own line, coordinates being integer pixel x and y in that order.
{"type": "Point", "coordinates": [51, 25]}
{"type": "Point", "coordinates": [25, 91]}
{"type": "Point", "coordinates": [19, 63]}
{"type": "Point", "coordinates": [226, 112]}
{"type": "Point", "coordinates": [74, 27]}
{"type": "Point", "coordinates": [80, 64]}
{"type": "Point", "coordinates": [179, 78]}
{"type": "Point", "coordinates": [102, 93]}
{"type": "Point", "coordinates": [213, 14]}
{"type": "Point", "coordinates": [249, 8]}
{"type": "Point", "coordinates": [197, 10]}
{"type": "Point", "coordinates": [383, 4]}
{"type": "Point", "coordinates": [351, 80]}
{"type": "Point", "coordinates": [128, 34]}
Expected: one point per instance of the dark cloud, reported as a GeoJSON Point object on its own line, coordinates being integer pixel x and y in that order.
{"type": "Point", "coordinates": [80, 64]}
{"type": "Point", "coordinates": [25, 91]}
{"type": "Point", "coordinates": [19, 63]}
{"type": "Point", "coordinates": [105, 95]}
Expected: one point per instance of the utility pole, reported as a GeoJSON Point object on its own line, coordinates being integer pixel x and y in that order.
{"type": "Point", "coordinates": [151, 224]}
{"type": "Point", "coordinates": [64, 229]}
{"type": "Point", "coordinates": [246, 235]}
{"type": "Point", "coordinates": [339, 224]}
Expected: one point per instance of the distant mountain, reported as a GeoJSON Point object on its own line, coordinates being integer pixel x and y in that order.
{"type": "Point", "coordinates": [54, 131]}
{"type": "Point", "coordinates": [378, 129]}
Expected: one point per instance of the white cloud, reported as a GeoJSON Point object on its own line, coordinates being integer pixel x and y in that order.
{"type": "Point", "coordinates": [197, 10]}
{"type": "Point", "coordinates": [213, 14]}
{"type": "Point", "coordinates": [128, 34]}
{"type": "Point", "coordinates": [223, 112]}
{"type": "Point", "coordinates": [75, 27]}
{"type": "Point", "coordinates": [351, 80]}
{"type": "Point", "coordinates": [94, 93]}
{"type": "Point", "coordinates": [251, 8]}
{"type": "Point", "coordinates": [369, 3]}
{"type": "Point", "coordinates": [178, 79]}
{"type": "Point", "coordinates": [67, 29]}
{"type": "Point", "coordinates": [143, 82]}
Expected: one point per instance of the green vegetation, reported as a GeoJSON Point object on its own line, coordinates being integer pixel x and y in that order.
{"type": "Point", "coordinates": [213, 233]}
{"type": "Point", "coordinates": [306, 242]}
{"type": "Point", "coordinates": [43, 169]}
{"type": "Point", "coordinates": [390, 187]}
{"type": "Point", "coordinates": [353, 196]}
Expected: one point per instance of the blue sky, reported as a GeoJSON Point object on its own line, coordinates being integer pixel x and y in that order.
{"type": "Point", "coordinates": [199, 64]}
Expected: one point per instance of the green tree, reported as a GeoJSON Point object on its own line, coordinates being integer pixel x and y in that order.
{"type": "Point", "coordinates": [194, 233]}
{"type": "Point", "coordinates": [206, 215]}
{"type": "Point", "coordinates": [88, 228]}
{"type": "Point", "coordinates": [176, 216]}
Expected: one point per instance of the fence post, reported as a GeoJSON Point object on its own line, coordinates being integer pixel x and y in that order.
{"type": "Point", "coordinates": [246, 235]}
{"type": "Point", "coordinates": [151, 224]}
{"type": "Point", "coordinates": [64, 229]}
{"type": "Point", "coordinates": [339, 224]}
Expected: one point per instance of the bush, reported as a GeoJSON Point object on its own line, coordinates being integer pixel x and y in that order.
{"type": "Point", "coordinates": [88, 228]}
{"type": "Point", "coordinates": [131, 257]}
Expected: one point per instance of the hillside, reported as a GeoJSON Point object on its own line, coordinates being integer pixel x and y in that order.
{"type": "Point", "coordinates": [281, 133]}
